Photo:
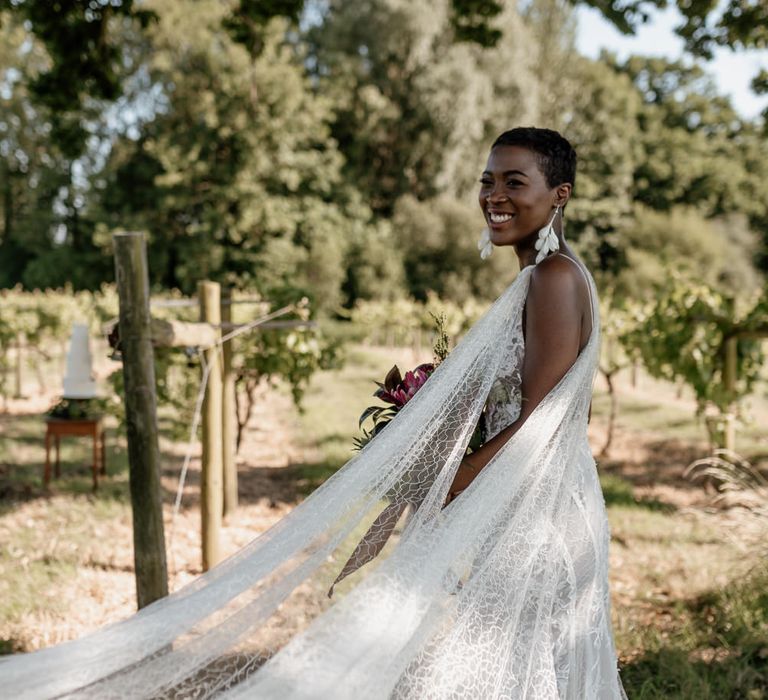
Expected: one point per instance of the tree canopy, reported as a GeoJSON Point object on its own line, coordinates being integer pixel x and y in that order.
{"type": "Point", "coordinates": [332, 149]}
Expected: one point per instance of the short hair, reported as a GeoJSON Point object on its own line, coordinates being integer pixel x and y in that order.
{"type": "Point", "coordinates": [555, 155]}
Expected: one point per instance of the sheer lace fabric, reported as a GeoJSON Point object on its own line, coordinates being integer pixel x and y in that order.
{"type": "Point", "coordinates": [503, 594]}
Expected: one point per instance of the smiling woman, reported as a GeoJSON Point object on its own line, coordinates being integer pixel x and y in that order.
{"type": "Point", "coordinates": [524, 188]}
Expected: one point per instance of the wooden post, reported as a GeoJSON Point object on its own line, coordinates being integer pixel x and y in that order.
{"type": "Point", "coordinates": [141, 417]}
{"type": "Point", "coordinates": [730, 369]}
{"type": "Point", "coordinates": [229, 420]}
{"type": "Point", "coordinates": [211, 483]}
{"type": "Point", "coordinates": [19, 393]}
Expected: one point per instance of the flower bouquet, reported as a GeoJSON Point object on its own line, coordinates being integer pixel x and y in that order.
{"type": "Point", "coordinates": [397, 390]}
{"type": "Point", "coordinates": [78, 409]}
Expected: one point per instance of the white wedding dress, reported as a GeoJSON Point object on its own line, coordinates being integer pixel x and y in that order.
{"type": "Point", "coordinates": [501, 595]}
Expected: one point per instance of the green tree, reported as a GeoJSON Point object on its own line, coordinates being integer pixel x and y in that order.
{"type": "Point", "coordinates": [83, 40]}
{"type": "Point", "coordinates": [438, 238]}
{"type": "Point", "coordinates": [683, 335]}
{"type": "Point", "coordinates": [602, 123]}
{"type": "Point", "coordinates": [236, 176]}
{"type": "Point", "coordinates": [32, 171]}
{"type": "Point", "coordinates": [416, 107]}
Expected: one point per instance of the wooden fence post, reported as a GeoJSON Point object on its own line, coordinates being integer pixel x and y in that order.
{"type": "Point", "coordinates": [141, 417]}
{"type": "Point", "coordinates": [730, 370]}
{"type": "Point", "coordinates": [229, 421]}
{"type": "Point", "coordinates": [19, 369]}
{"type": "Point", "coordinates": [211, 482]}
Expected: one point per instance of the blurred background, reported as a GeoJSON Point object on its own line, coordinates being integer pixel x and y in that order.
{"type": "Point", "coordinates": [330, 150]}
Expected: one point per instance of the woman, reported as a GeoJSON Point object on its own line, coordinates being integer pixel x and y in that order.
{"type": "Point", "coordinates": [501, 594]}
{"type": "Point", "coordinates": [528, 180]}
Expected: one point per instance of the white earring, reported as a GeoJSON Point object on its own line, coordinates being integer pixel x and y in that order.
{"type": "Point", "coordinates": [547, 242]}
{"type": "Point", "coordinates": [484, 245]}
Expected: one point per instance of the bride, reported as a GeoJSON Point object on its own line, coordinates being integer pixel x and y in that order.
{"type": "Point", "coordinates": [496, 585]}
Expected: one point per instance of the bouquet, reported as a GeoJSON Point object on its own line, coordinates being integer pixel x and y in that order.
{"type": "Point", "coordinates": [397, 390]}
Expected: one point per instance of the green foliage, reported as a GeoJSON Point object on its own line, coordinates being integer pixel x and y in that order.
{"type": "Point", "coordinates": [401, 320]}
{"type": "Point", "coordinates": [42, 321]}
{"type": "Point", "coordinates": [79, 409]}
{"type": "Point", "coordinates": [414, 110]}
{"type": "Point", "coordinates": [237, 178]}
{"type": "Point", "coordinates": [616, 322]}
{"type": "Point", "coordinates": [86, 59]}
{"type": "Point", "coordinates": [736, 24]}
{"type": "Point", "coordinates": [249, 19]}
{"type": "Point", "coordinates": [605, 134]}
{"type": "Point", "coordinates": [336, 157]}
{"type": "Point", "coordinates": [438, 240]}
{"type": "Point", "coordinates": [718, 252]}
{"type": "Point", "coordinates": [470, 20]}
{"type": "Point", "coordinates": [681, 337]}
{"type": "Point", "coordinates": [292, 356]}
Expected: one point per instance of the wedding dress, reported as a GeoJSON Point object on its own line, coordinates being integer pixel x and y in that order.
{"type": "Point", "coordinates": [501, 595]}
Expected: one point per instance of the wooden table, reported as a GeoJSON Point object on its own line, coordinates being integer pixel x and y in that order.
{"type": "Point", "coordinates": [56, 428]}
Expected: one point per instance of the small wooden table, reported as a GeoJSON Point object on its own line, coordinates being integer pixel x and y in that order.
{"type": "Point", "coordinates": [56, 428]}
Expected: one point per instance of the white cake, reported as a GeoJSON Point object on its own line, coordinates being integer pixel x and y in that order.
{"type": "Point", "coordinates": [78, 381]}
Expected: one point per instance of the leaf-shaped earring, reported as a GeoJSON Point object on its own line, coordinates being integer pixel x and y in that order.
{"type": "Point", "coordinates": [547, 242]}
{"type": "Point", "coordinates": [484, 245]}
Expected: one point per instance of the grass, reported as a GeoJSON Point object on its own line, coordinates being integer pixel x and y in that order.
{"type": "Point", "coordinates": [332, 406]}
{"type": "Point", "coordinates": [46, 534]}
{"type": "Point", "coordinates": [655, 407]}
{"type": "Point", "coordinates": [718, 648]}
{"type": "Point", "coordinates": [45, 543]}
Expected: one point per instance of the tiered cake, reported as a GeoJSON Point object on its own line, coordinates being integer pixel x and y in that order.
{"type": "Point", "coordinates": [78, 381]}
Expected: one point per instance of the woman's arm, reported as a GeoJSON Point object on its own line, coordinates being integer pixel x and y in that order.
{"type": "Point", "coordinates": [553, 321]}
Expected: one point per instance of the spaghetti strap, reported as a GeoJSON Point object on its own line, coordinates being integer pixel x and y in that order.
{"type": "Point", "coordinates": [589, 286]}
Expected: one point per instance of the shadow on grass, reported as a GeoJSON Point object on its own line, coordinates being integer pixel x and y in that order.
{"type": "Point", "coordinates": [720, 649]}
{"type": "Point", "coordinates": [663, 463]}
{"type": "Point", "coordinates": [22, 464]}
{"type": "Point", "coordinates": [331, 438]}
{"type": "Point", "coordinates": [669, 673]}
{"type": "Point", "coordinates": [618, 491]}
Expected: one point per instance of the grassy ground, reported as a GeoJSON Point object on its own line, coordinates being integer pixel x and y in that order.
{"type": "Point", "coordinates": [689, 597]}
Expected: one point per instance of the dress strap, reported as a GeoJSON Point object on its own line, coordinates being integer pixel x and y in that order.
{"type": "Point", "coordinates": [589, 286]}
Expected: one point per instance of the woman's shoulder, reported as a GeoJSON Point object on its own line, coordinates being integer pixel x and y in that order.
{"type": "Point", "coordinates": [557, 275]}
{"type": "Point", "coordinates": [560, 289]}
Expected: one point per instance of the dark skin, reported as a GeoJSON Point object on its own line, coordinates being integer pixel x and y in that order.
{"type": "Point", "coordinates": [556, 319]}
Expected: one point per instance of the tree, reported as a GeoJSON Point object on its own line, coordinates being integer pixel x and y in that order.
{"type": "Point", "coordinates": [32, 171]}
{"type": "Point", "coordinates": [415, 107]}
{"type": "Point", "coordinates": [695, 334]}
{"type": "Point", "coordinates": [602, 124]}
{"type": "Point", "coordinates": [440, 252]}
{"type": "Point", "coordinates": [82, 39]}
{"type": "Point", "coordinates": [697, 152]}
{"type": "Point", "coordinates": [234, 184]}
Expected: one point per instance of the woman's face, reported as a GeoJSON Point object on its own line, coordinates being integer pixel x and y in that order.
{"type": "Point", "coordinates": [514, 195]}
